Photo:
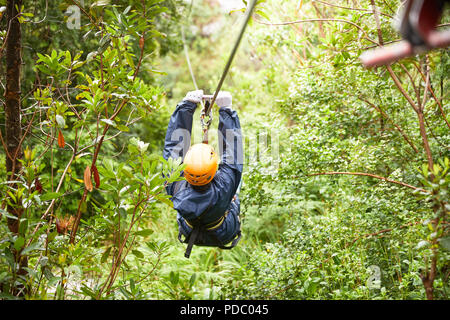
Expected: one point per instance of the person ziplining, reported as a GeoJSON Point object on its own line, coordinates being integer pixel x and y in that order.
{"type": "Point", "coordinates": [207, 202]}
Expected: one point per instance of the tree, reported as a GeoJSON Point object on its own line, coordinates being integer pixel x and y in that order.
{"type": "Point", "coordinates": [13, 126]}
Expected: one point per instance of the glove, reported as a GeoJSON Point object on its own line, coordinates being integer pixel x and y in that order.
{"type": "Point", "coordinates": [194, 96]}
{"type": "Point", "coordinates": [224, 100]}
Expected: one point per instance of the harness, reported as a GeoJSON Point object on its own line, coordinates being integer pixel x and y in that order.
{"type": "Point", "coordinates": [201, 231]}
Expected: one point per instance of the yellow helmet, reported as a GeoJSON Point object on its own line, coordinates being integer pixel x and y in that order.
{"type": "Point", "coordinates": [201, 164]}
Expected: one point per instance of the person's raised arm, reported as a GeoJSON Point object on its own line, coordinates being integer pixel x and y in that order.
{"type": "Point", "coordinates": [178, 135]}
{"type": "Point", "coordinates": [230, 145]}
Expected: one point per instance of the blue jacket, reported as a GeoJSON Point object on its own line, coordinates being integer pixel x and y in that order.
{"type": "Point", "coordinates": [216, 200]}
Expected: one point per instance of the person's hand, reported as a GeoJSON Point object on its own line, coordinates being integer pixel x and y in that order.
{"type": "Point", "coordinates": [194, 96]}
{"type": "Point", "coordinates": [224, 100]}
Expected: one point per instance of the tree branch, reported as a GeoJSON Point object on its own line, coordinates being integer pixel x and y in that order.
{"type": "Point", "coordinates": [319, 20]}
{"type": "Point", "coordinates": [370, 175]}
{"type": "Point", "coordinates": [395, 125]}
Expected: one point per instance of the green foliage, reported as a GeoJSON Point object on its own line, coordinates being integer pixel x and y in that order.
{"type": "Point", "coordinates": [338, 226]}
{"type": "Point", "coordinates": [307, 107]}
{"type": "Point", "coordinates": [85, 105]}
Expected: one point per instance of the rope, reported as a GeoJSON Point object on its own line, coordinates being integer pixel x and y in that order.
{"type": "Point", "coordinates": [209, 104]}
{"type": "Point", "coordinates": [186, 53]}
{"type": "Point", "coordinates": [233, 52]}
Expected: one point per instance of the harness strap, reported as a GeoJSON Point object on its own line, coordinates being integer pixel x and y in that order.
{"type": "Point", "coordinates": [194, 233]}
{"type": "Point", "coordinates": [234, 243]}
{"type": "Point", "coordinates": [211, 226]}
{"type": "Point", "coordinates": [192, 238]}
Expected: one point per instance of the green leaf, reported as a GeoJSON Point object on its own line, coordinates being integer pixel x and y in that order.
{"type": "Point", "coordinates": [192, 279]}
{"type": "Point", "coordinates": [129, 59]}
{"type": "Point", "coordinates": [144, 233]}
{"type": "Point", "coordinates": [23, 226]}
{"type": "Point", "coordinates": [174, 277]}
{"type": "Point", "coordinates": [7, 214]}
{"type": "Point", "coordinates": [52, 236]}
{"type": "Point", "coordinates": [91, 56]}
{"type": "Point", "coordinates": [105, 255]}
{"type": "Point", "coordinates": [51, 196]}
{"type": "Point", "coordinates": [137, 253]}
{"type": "Point", "coordinates": [164, 199]}
{"type": "Point", "coordinates": [18, 244]}
{"type": "Point", "coordinates": [88, 292]}
{"type": "Point", "coordinates": [127, 9]}
{"type": "Point", "coordinates": [31, 247]}
{"type": "Point", "coordinates": [123, 128]}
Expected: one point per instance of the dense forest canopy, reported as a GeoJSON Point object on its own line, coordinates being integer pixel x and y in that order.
{"type": "Point", "coordinates": [345, 191]}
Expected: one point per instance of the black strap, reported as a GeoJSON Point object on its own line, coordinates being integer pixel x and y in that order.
{"type": "Point", "coordinates": [192, 238]}
{"type": "Point", "coordinates": [194, 233]}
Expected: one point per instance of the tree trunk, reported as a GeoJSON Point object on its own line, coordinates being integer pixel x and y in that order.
{"type": "Point", "coordinates": [13, 130]}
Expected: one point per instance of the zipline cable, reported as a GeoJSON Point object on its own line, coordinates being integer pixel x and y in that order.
{"type": "Point", "coordinates": [230, 59]}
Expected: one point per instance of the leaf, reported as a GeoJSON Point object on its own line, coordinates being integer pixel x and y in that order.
{"type": "Point", "coordinates": [52, 236]}
{"type": "Point", "coordinates": [87, 179]}
{"type": "Point", "coordinates": [60, 121]}
{"type": "Point", "coordinates": [127, 9]}
{"type": "Point", "coordinates": [129, 59]}
{"type": "Point", "coordinates": [105, 255]}
{"type": "Point", "coordinates": [192, 279]}
{"type": "Point", "coordinates": [96, 176]}
{"type": "Point", "coordinates": [422, 244]}
{"type": "Point", "coordinates": [137, 253]}
{"type": "Point", "coordinates": [38, 185]}
{"type": "Point", "coordinates": [108, 121]}
{"type": "Point", "coordinates": [164, 199]}
{"type": "Point", "coordinates": [7, 214]}
{"type": "Point", "coordinates": [91, 56]}
{"type": "Point", "coordinates": [31, 247]}
{"type": "Point", "coordinates": [262, 14]}
{"type": "Point", "coordinates": [144, 233]}
{"type": "Point", "coordinates": [122, 128]}
{"type": "Point", "coordinates": [88, 292]}
{"type": "Point", "coordinates": [174, 277]}
{"type": "Point", "coordinates": [18, 244]}
{"type": "Point", "coordinates": [60, 227]}
{"type": "Point", "coordinates": [51, 196]}
{"type": "Point", "coordinates": [61, 142]}
{"type": "Point", "coordinates": [44, 261]}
